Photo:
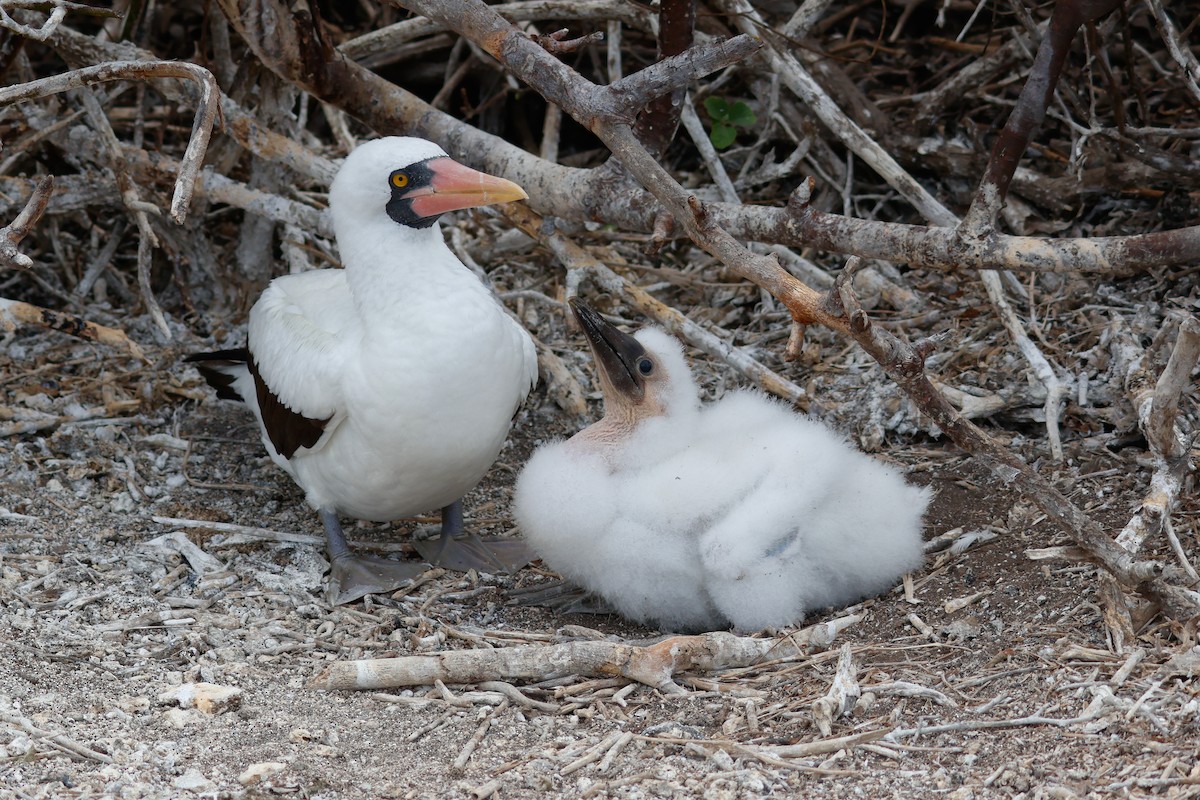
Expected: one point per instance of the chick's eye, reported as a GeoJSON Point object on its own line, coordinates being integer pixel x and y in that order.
{"type": "Point", "coordinates": [645, 366]}
{"type": "Point", "coordinates": [399, 179]}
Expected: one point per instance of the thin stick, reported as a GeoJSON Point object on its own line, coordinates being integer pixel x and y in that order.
{"type": "Point", "coordinates": [147, 241]}
{"type": "Point", "coordinates": [12, 234]}
{"type": "Point", "coordinates": [708, 153]}
{"type": "Point", "coordinates": [1157, 409]}
{"type": "Point", "coordinates": [460, 762]}
{"type": "Point", "coordinates": [13, 312]}
{"type": "Point", "coordinates": [65, 742]}
{"type": "Point", "coordinates": [574, 258]}
{"type": "Point", "coordinates": [514, 694]}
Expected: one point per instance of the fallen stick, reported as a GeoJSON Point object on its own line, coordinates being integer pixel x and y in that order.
{"type": "Point", "coordinates": [13, 312]}
{"type": "Point", "coordinates": [654, 665]}
{"type": "Point", "coordinates": [64, 742]}
{"type": "Point", "coordinates": [468, 750]}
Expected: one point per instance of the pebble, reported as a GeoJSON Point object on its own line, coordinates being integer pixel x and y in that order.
{"type": "Point", "coordinates": [256, 772]}
{"type": "Point", "coordinates": [210, 698]}
{"type": "Point", "coordinates": [193, 780]}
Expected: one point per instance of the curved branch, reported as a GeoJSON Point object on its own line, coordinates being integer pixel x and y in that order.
{"type": "Point", "coordinates": [206, 110]}
{"type": "Point", "coordinates": [12, 233]}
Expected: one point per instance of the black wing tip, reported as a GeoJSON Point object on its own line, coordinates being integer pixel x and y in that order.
{"type": "Point", "coordinates": [210, 367]}
{"type": "Point", "coordinates": [237, 354]}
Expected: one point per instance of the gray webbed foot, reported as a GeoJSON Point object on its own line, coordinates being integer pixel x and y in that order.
{"type": "Point", "coordinates": [460, 551]}
{"type": "Point", "coordinates": [351, 576]}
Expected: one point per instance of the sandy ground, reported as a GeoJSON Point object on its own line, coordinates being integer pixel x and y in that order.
{"type": "Point", "coordinates": [995, 679]}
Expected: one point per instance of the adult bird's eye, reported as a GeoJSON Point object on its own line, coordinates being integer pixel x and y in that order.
{"type": "Point", "coordinates": [645, 366]}
{"type": "Point", "coordinates": [400, 179]}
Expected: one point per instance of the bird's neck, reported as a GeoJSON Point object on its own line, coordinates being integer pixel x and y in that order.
{"type": "Point", "coordinates": [606, 438]}
{"type": "Point", "coordinates": [390, 267]}
{"type": "Point", "coordinates": [610, 435]}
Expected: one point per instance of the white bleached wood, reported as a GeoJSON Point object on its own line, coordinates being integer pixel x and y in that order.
{"type": "Point", "coordinates": [653, 665]}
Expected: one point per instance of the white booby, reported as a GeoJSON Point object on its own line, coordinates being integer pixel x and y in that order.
{"type": "Point", "coordinates": [696, 517]}
{"type": "Point", "coordinates": [386, 389]}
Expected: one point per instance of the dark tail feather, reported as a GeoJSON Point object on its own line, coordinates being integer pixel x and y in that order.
{"type": "Point", "coordinates": [215, 367]}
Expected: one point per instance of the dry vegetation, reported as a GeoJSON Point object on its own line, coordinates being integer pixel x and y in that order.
{"type": "Point", "coordinates": [148, 545]}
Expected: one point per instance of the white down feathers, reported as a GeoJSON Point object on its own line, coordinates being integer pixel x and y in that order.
{"type": "Point", "coordinates": [739, 512]}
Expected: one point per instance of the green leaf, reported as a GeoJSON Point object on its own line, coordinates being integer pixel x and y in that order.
{"type": "Point", "coordinates": [717, 108]}
{"type": "Point", "coordinates": [741, 115]}
{"type": "Point", "coordinates": [722, 135]}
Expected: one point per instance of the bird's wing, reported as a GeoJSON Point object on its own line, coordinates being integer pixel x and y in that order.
{"type": "Point", "coordinates": [298, 333]}
{"type": "Point", "coordinates": [786, 472]}
{"type": "Point", "coordinates": [226, 371]}
{"type": "Point", "coordinates": [529, 360]}
{"type": "Point", "coordinates": [824, 525]}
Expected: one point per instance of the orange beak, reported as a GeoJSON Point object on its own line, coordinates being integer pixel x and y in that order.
{"type": "Point", "coordinates": [455, 186]}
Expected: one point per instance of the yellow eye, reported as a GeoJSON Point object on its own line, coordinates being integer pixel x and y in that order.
{"type": "Point", "coordinates": [399, 179]}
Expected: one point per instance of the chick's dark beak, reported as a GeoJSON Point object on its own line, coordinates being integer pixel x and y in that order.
{"type": "Point", "coordinates": [616, 352]}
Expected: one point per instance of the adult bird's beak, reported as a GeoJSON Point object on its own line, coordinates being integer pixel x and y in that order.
{"type": "Point", "coordinates": [617, 353]}
{"type": "Point", "coordinates": [455, 186]}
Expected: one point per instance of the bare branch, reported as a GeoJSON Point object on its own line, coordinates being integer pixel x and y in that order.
{"type": "Point", "coordinates": [798, 80]}
{"type": "Point", "coordinates": [294, 49]}
{"type": "Point", "coordinates": [147, 241]}
{"type": "Point", "coordinates": [14, 312]}
{"type": "Point", "coordinates": [206, 111]}
{"type": "Point", "coordinates": [556, 42]}
{"type": "Point", "coordinates": [654, 665]}
{"type": "Point", "coordinates": [656, 125]}
{"type": "Point", "coordinates": [1175, 377]}
{"type": "Point", "coordinates": [1157, 405]}
{"type": "Point", "coordinates": [12, 234]}
{"type": "Point", "coordinates": [379, 47]}
{"type": "Point", "coordinates": [1027, 116]}
{"type": "Point", "coordinates": [58, 12]}
{"type": "Point", "coordinates": [1178, 49]}
{"type": "Point", "coordinates": [573, 257]}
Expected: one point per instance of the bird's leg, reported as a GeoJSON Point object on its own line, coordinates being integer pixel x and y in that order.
{"type": "Point", "coordinates": [351, 576]}
{"type": "Point", "coordinates": [462, 551]}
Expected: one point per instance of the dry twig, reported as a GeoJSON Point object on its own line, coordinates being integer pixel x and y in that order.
{"type": "Point", "coordinates": [654, 665]}
{"type": "Point", "coordinates": [12, 233]}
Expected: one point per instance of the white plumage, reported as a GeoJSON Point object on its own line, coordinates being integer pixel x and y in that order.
{"type": "Point", "coordinates": [739, 512]}
{"type": "Point", "coordinates": [392, 382]}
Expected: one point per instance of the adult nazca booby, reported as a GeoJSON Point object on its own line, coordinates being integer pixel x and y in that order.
{"type": "Point", "coordinates": [696, 517]}
{"type": "Point", "coordinates": [386, 389]}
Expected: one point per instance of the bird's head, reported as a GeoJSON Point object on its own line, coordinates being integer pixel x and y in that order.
{"type": "Point", "coordinates": [642, 375]}
{"type": "Point", "coordinates": [413, 181]}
